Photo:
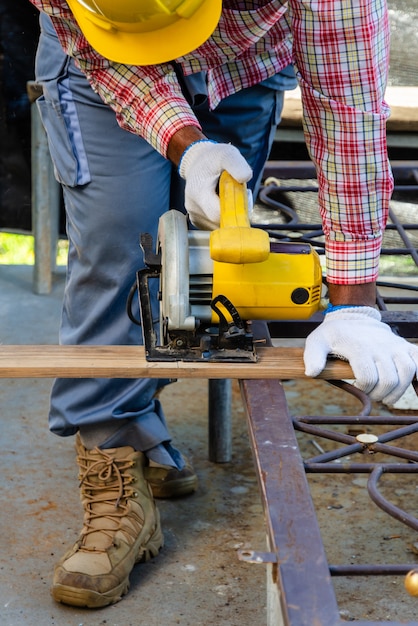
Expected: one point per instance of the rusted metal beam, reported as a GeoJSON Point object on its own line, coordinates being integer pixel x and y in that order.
{"type": "Point", "coordinates": [300, 579]}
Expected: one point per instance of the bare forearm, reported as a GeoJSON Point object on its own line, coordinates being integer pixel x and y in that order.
{"type": "Point", "coordinates": [180, 140]}
{"type": "Point", "coordinates": [364, 294]}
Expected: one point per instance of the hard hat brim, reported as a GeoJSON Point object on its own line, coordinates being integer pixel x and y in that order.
{"type": "Point", "coordinates": [153, 47]}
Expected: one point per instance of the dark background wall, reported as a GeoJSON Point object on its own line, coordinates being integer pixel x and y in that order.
{"type": "Point", "coordinates": [19, 32]}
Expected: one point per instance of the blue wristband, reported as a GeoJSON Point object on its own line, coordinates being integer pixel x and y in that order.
{"type": "Point", "coordinates": [190, 146]}
{"type": "Point", "coordinates": [331, 308]}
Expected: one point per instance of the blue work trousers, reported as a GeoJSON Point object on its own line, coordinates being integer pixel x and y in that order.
{"type": "Point", "coordinates": [115, 187]}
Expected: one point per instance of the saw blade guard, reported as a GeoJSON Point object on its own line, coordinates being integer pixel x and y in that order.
{"type": "Point", "coordinates": [174, 288]}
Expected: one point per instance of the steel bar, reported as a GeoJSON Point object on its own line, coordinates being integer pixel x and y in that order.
{"type": "Point", "coordinates": [378, 420]}
{"type": "Point", "coordinates": [45, 201]}
{"type": "Point", "coordinates": [384, 504]}
{"type": "Point", "coordinates": [358, 468]}
{"type": "Point", "coordinates": [371, 570]}
{"type": "Point", "coordinates": [219, 425]}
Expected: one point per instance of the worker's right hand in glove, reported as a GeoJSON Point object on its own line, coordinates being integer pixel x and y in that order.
{"type": "Point", "coordinates": [201, 165]}
{"type": "Point", "coordinates": [383, 363]}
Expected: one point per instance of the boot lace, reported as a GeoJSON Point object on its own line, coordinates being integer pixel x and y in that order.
{"type": "Point", "coordinates": [105, 488]}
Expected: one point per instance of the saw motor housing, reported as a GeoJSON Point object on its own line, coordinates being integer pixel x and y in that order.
{"type": "Point", "coordinates": [212, 284]}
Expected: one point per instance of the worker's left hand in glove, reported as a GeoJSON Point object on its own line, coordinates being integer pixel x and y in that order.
{"type": "Point", "coordinates": [201, 165]}
{"type": "Point", "coordinates": [383, 363]}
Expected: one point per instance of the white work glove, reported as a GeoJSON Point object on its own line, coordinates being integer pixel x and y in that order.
{"type": "Point", "coordinates": [201, 165]}
{"type": "Point", "coordinates": [383, 363]}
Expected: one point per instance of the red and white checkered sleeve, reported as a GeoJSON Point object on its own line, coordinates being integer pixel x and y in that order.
{"type": "Point", "coordinates": [341, 53]}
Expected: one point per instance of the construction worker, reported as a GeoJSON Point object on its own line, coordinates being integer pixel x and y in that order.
{"type": "Point", "coordinates": [198, 85]}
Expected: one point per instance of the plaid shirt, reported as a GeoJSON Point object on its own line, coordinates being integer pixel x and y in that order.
{"type": "Point", "coordinates": [340, 50]}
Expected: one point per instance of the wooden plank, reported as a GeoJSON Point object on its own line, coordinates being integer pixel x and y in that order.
{"type": "Point", "coordinates": [51, 361]}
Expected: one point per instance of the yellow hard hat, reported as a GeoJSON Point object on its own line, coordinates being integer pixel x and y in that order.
{"type": "Point", "coordinates": [146, 32]}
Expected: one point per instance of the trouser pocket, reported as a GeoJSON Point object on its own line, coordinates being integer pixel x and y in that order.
{"type": "Point", "coordinates": [58, 111]}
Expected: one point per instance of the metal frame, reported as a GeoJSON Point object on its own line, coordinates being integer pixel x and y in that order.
{"type": "Point", "coordinates": [299, 579]}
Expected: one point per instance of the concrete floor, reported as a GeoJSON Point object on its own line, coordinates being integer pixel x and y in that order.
{"type": "Point", "coordinates": [197, 579]}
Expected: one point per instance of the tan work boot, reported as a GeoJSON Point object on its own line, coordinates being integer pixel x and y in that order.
{"type": "Point", "coordinates": [121, 527]}
{"type": "Point", "coordinates": [169, 482]}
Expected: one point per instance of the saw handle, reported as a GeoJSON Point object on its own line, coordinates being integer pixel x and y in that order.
{"type": "Point", "coordinates": [235, 241]}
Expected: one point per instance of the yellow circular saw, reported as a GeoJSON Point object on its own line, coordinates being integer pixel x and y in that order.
{"type": "Point", "coordinates": [212, 284]}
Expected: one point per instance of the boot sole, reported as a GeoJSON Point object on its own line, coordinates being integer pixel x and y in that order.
{"type": "Point", "coordinates": [74, 596]}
